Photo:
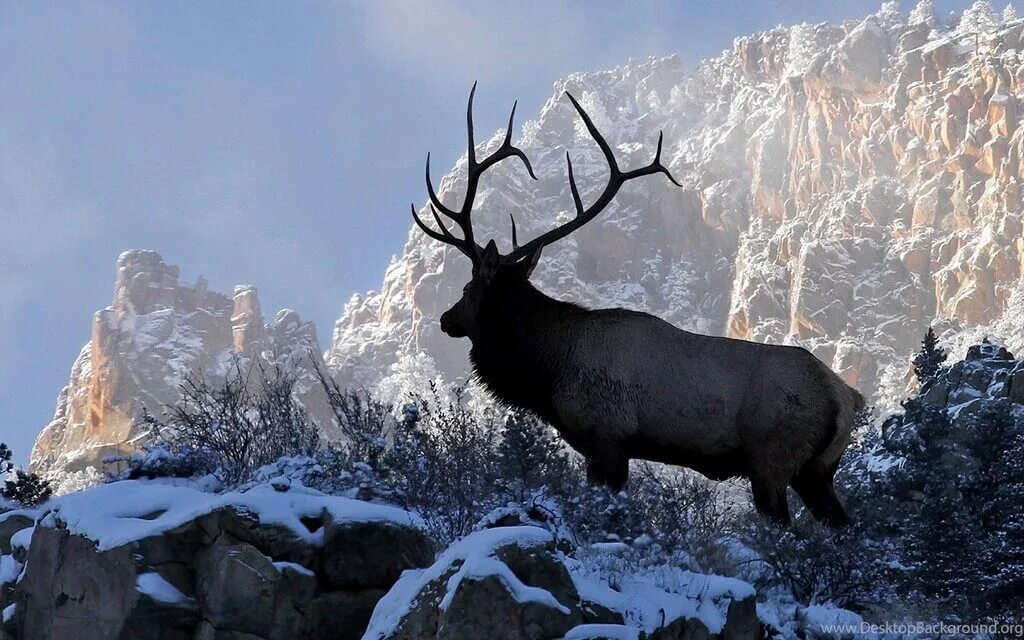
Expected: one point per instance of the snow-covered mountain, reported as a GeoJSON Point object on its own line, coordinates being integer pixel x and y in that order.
{"type": "Point", "coordinates": [845, 186]}
{"type": "Point", "coordinates": [157, 332]}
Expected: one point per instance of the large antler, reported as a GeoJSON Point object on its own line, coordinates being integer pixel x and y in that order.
{"type": "Point", "coordinates": [461, 217]}
{"type": "Point", "coordinates": [585, 215]}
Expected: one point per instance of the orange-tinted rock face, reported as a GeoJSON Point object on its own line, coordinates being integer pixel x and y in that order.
{"type": "Point", "coordinates": [845, 187]}
{"type": "Point", "coordinates": [157, 332]}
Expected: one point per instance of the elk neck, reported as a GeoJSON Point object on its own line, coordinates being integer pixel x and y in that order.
{"type": "Point", "coordinates": [523, 345]}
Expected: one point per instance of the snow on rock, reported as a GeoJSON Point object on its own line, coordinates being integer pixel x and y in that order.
{"type": "Point", "coordinates": [153, 585]}
{"type": "Point", "coordinates": [513, 582]}
{"type": "Point", "coordinates": [602, 632]}
{"type": "Point", "coordinates": [118, 513]}
{"type": "Point", "coordinates": [827, 620]}
{"type": "Point", "coordinates": [656, 597]}
{"type": "Point", "coordinates": [152, 559]}
{"type": "Point", "coordinates": [157, 332]}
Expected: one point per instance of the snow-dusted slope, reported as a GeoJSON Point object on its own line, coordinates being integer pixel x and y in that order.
{"type": "Point", "coordinates": [845, 186]}
{"type": "Point", "coordinates": [157, 332]}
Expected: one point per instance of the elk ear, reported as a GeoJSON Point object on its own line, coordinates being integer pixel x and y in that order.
{"type": "Point", "coordinates": [489, 260]}
{"type": "Point", "coordinates": [530, 262]}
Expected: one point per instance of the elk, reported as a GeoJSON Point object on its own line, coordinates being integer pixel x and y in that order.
{"type": "Point", "coordinates": [620, 385]}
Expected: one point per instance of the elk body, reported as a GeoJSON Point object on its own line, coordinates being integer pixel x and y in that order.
{"type": "Point", "coordinates": [621, 385]}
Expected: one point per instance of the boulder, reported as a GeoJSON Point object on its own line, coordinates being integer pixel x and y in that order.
{"type": "Point", "coordinates": [11, 523]}
{"type": "Point", "coordinates": [339, 615]}
{"type": "Point", "coordinates": [72, 590]}
{"type": "Point", "coordinates": [240, 590]}
{"type": "Point", "coordinates": [512, 583]}
{"type": "Point", "coordinates": [140, 560]}
{"type": "Point", "coordinates": [371, 555]}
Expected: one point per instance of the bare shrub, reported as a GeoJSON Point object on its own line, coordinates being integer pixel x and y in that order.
{"type": "Point", "coordinates": [235, 427]}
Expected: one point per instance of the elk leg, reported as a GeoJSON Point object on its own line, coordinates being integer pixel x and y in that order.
{"type": "Point", "coordinates": [770, 500]}
{"type": "Point", "coordinates": [606, 466]}
{"type": "Point", "coordinates": [814, 486]}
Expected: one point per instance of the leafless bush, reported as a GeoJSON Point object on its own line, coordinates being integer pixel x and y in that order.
{"type": "Point", "coordinates": [237, 426]}
{"type": "Point", "coordinates": [819, 565]}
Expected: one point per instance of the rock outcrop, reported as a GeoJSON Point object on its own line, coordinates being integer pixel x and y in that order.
{"type": "Point", "coordinates": [157, 332]}
{"type": "Point", "coordinates": [845, 186]}
{"type": "Point", "coordinates": [134, 561]}
{"type": "Point", "coordinates": [512, 583]}
{"type": "Point", "coordinates": [151, 560]}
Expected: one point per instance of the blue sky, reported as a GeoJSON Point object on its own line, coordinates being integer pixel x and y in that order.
{"type": "Point", "coordinates": [272, 143]}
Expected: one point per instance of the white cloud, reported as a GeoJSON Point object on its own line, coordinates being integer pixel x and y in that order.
{"type": "Point", "coordinates": [456, 44]}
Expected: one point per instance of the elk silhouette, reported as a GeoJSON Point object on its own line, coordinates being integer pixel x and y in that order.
{"type": "Point", "coordinates": [621, 385]}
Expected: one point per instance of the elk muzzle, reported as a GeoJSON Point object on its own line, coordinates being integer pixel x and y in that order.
{"type": "Point", "coordinates": [451, 326]}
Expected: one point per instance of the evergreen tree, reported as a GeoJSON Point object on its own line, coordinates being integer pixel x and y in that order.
{"type": "Point", "coordinates": [923, 13]}
{"type": "Point", "coordinates": [27, 489]}
{"type": "Point", "coordinates": [1009, 13]}
{"type": "Point", "coordinates": [999, 450]}
{"type": "Point", "coordinates": [928, 362]}
{"type": "Point", "coordinates": [979, 18]}
{"type": "Point", "coordinates": [941, 543]}
{"type": "Point", "coordinates": [5, 458]}
{"type": "Point", "coordinates": [531, 457]}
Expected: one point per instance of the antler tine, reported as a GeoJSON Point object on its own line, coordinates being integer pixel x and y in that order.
{"type": "Point", "coordinates": [441, 224]}
{"type": "Point", "coordinates": [507, 149]}
{"type": "Point", "coordinates": [447, 239]}
{"type": "Point", "coordinates": [616, 179]}
{"type": "Point", "coordinates": [454, 215]}
{"type": "Point", "coordinates": [470, 144]}
{"type": "Point", "coordinates": [596, 135]}
{"type": "Point", "coordinates": [515, 237]}
{"type": "Point", "coordinates": [572, 187]}
{"type": "Point", "coordinates": [654, 167]}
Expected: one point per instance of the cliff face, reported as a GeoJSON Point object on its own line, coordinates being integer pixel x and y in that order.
{"type": "Point", "coordinates": [157, 332]}
{"type": "Point", "coordinates": [845, 186]}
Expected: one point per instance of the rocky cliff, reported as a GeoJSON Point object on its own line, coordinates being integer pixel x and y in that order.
{"type": "Point", "coordinates": [157, 332]}
{"type": "Point", "coordinates": [845, 186]}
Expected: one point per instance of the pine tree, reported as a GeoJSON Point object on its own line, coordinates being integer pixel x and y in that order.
{"type": "Point", "coordinates": [928, 362]}
{"type": "Point", "coordinates": [999, 449]}
{"type": "Point", "coordinates": [27, 489]}
{"type": "Point", "coordinates": [923, 14]}
{"type": "Point", "coordinates": [889, 14]}
{"type": "Point", "coordinates": [1009, 13]}
{"type": "Point", "coordinates": [941, 545]}
{"type": "Point", "coordinates": [5, 458]}
{"type": "Point", "coordinates": [530, 456]}
{"type": "Point", "coordinates": [979, 18]}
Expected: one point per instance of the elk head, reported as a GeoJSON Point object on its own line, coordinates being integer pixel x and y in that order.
{"type": "Point", "coordinates": [494, 272]}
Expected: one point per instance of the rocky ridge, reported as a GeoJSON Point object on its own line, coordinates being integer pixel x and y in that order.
{"type": "Point", "coordinates": [845, 186]}
{"type": "Point", "coordinates": [156, 333]}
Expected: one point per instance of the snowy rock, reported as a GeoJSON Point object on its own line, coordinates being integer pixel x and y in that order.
{"type": "Point", "coordinates": [241, 590]}
{"type": "Point", "coordinates": [359, 555]}
{"type": "Point", "coordinates": [513, 583]}
{"type": "Point", "coordinates": [11, 523]}
{"type": "Point", "coordinates": [145, 560]}
{"type": "Point", "coordinates": [504, 583]}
